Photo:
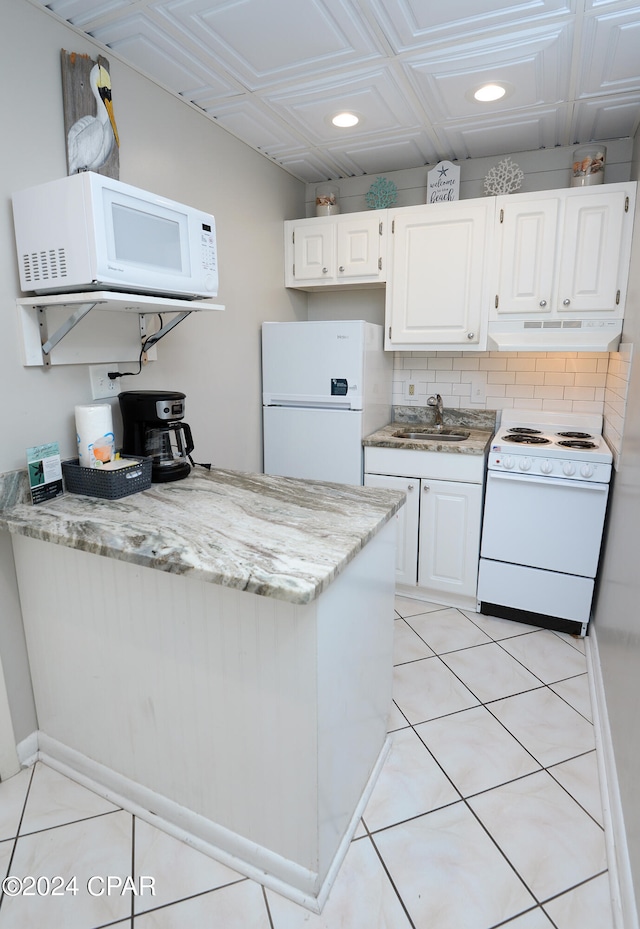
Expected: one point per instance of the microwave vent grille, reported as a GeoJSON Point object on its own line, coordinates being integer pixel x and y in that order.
{"type": "Point", "coordinates": [48, 265]}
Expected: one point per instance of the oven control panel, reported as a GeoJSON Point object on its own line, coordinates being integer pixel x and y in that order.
{"type": "Point", "coordinates": [567, 468]}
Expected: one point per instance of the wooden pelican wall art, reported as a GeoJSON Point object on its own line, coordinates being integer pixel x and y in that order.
{"type": "Point", "coordinates": [90, 126]}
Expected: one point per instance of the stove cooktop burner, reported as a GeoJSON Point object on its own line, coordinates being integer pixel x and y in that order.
{"type": "Point", "coordinates": [547, 442]}
{"type": "Point", "coordinates": [526, 438]}
{"type": "Point", "coordinates": [577, 443]}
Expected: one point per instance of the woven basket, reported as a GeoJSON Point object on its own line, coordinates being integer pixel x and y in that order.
{"type": "Point", "coordinates": [98, 482]}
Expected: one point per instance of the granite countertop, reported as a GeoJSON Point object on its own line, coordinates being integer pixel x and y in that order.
{"type": "Point", "coordinates": [480, 425]}
{"type": "Point", "coordinates": [273, 536]}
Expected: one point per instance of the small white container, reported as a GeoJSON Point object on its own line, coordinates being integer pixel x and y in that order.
{"type": "Point", "coordinates": [327, 199]}
{"type": "Point", "coordinates": [588, 165]}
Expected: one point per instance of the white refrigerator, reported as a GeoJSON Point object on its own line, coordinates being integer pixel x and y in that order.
{"type": "Point", "coordinates": [325, 385]}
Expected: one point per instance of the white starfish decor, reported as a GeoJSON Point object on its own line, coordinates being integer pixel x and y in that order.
{"type": "Point", "coordinates": [504, 178]}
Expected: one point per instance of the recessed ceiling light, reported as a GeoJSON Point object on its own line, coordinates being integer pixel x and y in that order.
{"type": "Point", "coordinates": [490, 92]}
{"type": "Point", "coordinates": [345, 120]}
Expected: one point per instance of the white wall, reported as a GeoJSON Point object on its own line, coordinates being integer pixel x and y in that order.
{"type": "Point", "coordinates": [617, 619]}
{"type": "Point", "coordinates": [170, 148]}
{"type": "Point", "coordinates": [544, 169]}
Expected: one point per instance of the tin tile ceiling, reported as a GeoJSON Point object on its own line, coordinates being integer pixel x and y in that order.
{"type": "Point", "coordinates": [273, 72]}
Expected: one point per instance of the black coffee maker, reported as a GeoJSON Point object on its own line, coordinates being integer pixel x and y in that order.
{"type": "Point", "coordinates": [153, 427]}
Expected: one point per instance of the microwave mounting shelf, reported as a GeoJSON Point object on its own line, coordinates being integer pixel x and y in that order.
{"type": "Point", "coordinates": [32, 311]}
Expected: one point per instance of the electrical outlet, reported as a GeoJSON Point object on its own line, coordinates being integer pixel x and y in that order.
{"type": "Point", "coordinates": [102, 387]}
{"type": "Point", "coordinates": [478, 389]}
{"type": "Point", "coordinates": [412, 390]}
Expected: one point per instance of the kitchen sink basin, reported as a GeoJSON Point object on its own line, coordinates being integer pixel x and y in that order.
{"type": "Point", "coordinates": [432, 433]}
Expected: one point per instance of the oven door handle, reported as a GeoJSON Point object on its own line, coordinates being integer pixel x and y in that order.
{"type": "Point", "coordinates": [548, 481]}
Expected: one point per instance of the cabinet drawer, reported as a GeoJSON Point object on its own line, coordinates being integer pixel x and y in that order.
{"type": "Point", "coordinates": [445, 466]}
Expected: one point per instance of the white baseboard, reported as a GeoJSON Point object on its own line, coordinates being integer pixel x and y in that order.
{"type": "Point", "coordinates": [623, 901]}
{"type": "Point", "coordinates": [28, 750]}
{"type": "Point", "coordinates": [256, 862]}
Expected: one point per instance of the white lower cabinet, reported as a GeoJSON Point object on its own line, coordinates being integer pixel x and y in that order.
{"type": "Point", "coordinates": [407, 518]}
{"type": "Point", "coordinates": [438, 545]}
{"type": "Point", "coordinates": [449, 541]}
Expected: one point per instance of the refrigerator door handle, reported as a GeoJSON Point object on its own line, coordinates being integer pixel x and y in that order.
{"type": "Point", "coordinates": [309, 403]}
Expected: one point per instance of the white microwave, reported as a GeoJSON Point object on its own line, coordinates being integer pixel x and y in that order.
{"type": "Point", "coordinates": [90, 232]}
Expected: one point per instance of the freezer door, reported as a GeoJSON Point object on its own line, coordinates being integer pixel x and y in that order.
{"type": "Point", "coordinates": [321, 445]}
{"type": "Point", "coordinates": [313, 363]}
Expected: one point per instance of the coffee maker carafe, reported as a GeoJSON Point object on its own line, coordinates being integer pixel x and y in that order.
{"type": "Point", "coordinates": [153, 427]}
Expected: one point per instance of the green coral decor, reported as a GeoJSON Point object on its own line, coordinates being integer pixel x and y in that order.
{"type": "Point", "coordinates": [382, 194]}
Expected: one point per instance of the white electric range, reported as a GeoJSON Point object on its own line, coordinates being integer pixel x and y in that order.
{"type": "Point", "coordinates": [545, 506]}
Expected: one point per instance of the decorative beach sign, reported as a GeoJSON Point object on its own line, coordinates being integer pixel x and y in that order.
{"type": "Point", "coordinates": [89, 123]}
{"type": "Point", "coordinates": [443, 183]}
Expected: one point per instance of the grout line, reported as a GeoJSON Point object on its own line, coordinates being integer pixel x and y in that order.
{"type": "Point", "coordinates": [17, 835]}
{"type": "Point", "coordinates": [266, 906]}
{"type": "Point", "coordinates": [391, 881]}
{"type": "Point", "coordinates": [133, 863]}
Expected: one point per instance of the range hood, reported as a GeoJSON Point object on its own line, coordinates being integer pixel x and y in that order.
{"type": "Point", "coordinates": [554, 335]}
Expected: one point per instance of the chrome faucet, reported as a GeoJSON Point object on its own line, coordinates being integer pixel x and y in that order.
{"type": "Point", "coordinates": [436, 401]}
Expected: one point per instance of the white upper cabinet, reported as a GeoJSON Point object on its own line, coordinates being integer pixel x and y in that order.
{"type": "Point", "coordinates": [543, 271]}
{"type": "Point", "coordinates": [563, 253]}
{"type": "Point", "coordinates": [437, 291]}
{"type": "Point", "coordinates": [340, 251]}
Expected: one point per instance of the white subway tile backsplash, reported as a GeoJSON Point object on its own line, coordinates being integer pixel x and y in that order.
{"type": "Point", "coordinates": [558, 406]}
{"type": "Point", "coordinates": [551, 364]}
{"type": "Point", "coordinates": [585, 382]}
{"type": "Point", "coordinates": [579, 393]}
{"type": "Point", "coordinates": [492, 363]}
{"type": "Point", "coordinates": [501, 377]}
{"type": "Point", "coordinates": [529, 377]}
{"type": "Point", "coordinates": [444, 363]}
{"type": "Point", "coordinates": [582, 364]}
{"type": "Point", "coordinates": [466, 364]}
{"type": "Point", "coordinates": [447, 377]}
{"type": "Point", "coordinates": [559, 379]}
{"type": "Point", "coordinates": [520, 390]}
{"type": "Point", "coordinates": [583, 406]}
{"type": "Point", "coordinates": [521, 363]}
{"type": "Point", "coordinates": [590, 380]}
{"type": "Point", "coordinates": [549, 393]}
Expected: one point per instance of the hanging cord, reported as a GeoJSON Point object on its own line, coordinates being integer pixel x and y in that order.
{"type": "Point", "coordinates": [113, 375]}
{"type": "Point", "coordinates": [199, 464]}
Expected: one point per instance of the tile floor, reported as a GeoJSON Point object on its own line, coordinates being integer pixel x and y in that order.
{"type": "Point", "coordinates": [487, 812]}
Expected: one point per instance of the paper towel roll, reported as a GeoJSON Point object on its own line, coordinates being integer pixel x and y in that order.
{"type": "Point", "coordinates": [94, 433]}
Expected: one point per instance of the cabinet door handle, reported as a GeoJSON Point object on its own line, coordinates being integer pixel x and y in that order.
{"type": "Point", "coordinates": [425, 488]}
{"type": "Point", "coordinates": [324, 270]}
{"type": "Point", "coordinates": [470, 335]}
{"type": "Point", "coordinates": [566, 302]}
{"type": "Point", "coordinates": [543, 303]}
{"type": "Point", "coordinates": [410, 486]}
{"type": "Point", "coordinates": [341, 268]}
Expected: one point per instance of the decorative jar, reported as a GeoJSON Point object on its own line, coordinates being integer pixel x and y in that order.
{"type": "Point", "coordinates": [327, 200]}
{"type": "Point", "coordinates": [588, 165]}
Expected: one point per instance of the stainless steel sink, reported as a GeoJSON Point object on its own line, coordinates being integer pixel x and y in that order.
{"type": "Point", "coordinates": [433, 433]}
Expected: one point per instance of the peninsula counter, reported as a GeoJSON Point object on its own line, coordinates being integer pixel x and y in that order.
{"type": "Point", "coordinates": [215, 655]}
